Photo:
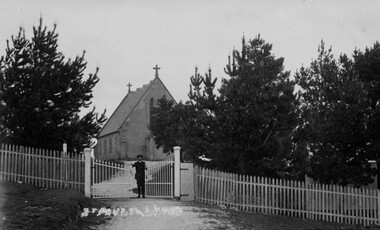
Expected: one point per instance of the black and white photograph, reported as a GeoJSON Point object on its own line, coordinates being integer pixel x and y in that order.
{"type": "Point", "coordinates": [193, 115]}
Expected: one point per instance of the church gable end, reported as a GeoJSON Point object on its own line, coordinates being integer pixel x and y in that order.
{"type": "Point", "coordinates": [136, 125]}
{"type": "Point", "coordinates": [127, 129]}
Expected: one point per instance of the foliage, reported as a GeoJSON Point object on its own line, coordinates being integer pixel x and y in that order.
{"type": "Point", "coordinates": [42, 94]}
{"type": "Point", "coordinates": [334, 111]}
{"type": "Point", "coordinates": [257, 125]}
{"type": "Point", "coordinates": [185, 125]}
{"type": "Point", "coordinates": [165, 124]}
{"type": "Point", "coordinates": [368, 65]}
{"type": "Point", "coordinates": [257, 113]}
{"type": "Point", "coordinates": [248, 127]}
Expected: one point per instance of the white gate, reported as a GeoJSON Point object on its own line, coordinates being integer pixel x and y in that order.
{"type": "Point", "coordinates": [111, 180]}
{"type": "Point", "coordinates": [116, 180]}
{"type": "Point", "coordinates": [159, 181]}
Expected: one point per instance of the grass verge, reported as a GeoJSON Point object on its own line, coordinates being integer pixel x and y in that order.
{"type": "Point", "coordinates": [27, 207]}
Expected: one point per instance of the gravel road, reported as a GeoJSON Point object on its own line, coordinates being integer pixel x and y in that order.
{"type": "Point", "coordinates": [165, 214]}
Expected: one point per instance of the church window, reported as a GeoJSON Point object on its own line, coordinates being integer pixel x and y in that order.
{"type": "Point", "coordinates": [151, 104]}
{"type": "Point", "coordinates": [105, 146]}
{"type": "Point", "coordinates": [110, 145]}
{"type": "Point", "coordinates": [96, 149]}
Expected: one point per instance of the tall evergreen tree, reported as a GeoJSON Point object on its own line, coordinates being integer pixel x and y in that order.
{"type": "Point", "coordinates": [335, 112]}
{"type": "Point", "coordinates": [249, 127]}
{"type": "Point", "coordinates": [204, 104]}
{"type": "Point", "coordinates": [42, 94]}
{"type": "Point", "coordinates": [188, 125]}
{"type": "Point", "coordinates": [367, 64]}
{"type": "Point", "coordinates": [257, 113]}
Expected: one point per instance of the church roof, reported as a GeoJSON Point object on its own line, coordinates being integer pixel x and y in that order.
{"type": "Point", "coordinates": [126, 107]}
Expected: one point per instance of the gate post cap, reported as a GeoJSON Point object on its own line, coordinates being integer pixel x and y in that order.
{"type": "Point", "coordinates": [176, 148]}
{"type": "Point", "coordinates": [87, 150]}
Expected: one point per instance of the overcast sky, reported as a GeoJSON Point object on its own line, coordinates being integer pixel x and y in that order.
{"type": "Point", "coordinates": [126, 39]}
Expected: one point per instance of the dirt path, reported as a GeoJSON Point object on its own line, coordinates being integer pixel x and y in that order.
{"type": "Point", "coordinates": [28, 207]}
{"type": "Point", "coordinates": [168, 214]}
{"type": "Point", "coordinates": [165, 214]}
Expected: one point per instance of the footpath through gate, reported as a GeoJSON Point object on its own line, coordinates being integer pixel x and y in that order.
{"type": "Point", "coordinates": [116, 180]}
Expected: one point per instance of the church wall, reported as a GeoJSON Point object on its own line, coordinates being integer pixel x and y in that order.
{"type": "Point", "coordinates": [136, 129]}
{"type": "Point", "coordinates": [108, 147]}
{"type": "Point", "coordinates": [133, 137]}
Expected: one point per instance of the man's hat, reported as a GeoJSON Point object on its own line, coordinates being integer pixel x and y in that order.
{"type": "Point", "coordinates": [140, 156]}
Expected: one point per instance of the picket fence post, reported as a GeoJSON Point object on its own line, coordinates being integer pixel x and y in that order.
{"type": "Point", "coordinates": [177, 172]}
{"type": "Point", "coordinates": [64, 156]}
{"type": "Point", "coordinates": [87, 172]}
{"type": "Point", "coordinates": [378, 206]}
{"type": "Point", "coordinates": [196, 184]}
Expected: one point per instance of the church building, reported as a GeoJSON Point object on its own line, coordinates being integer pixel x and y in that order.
{"type": "Point", "coordinates": [126, 134]}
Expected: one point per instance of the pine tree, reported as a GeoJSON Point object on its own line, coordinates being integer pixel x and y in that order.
{"type": "Point", "coordinates": [204, 105]}
{"type": "Point", "coordinates": [334, 112]}
{"type": "Point", "coordinates": [188, 125]}
{"type": "Point", "coordinates": [367, 64]}
{"type": "Point", "coordinates": [249, 127]}
{"type": "Point", "coordinates": [256, 114]}
{"type": "Point", "coordinates": [42, 94]}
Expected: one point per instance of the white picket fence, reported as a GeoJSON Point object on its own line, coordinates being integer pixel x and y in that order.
{"type": "Point", "coordinates": [42, 168]}
{"type": "Point", "coordinates": [57, 170]}
{"type": "Point", "coordinates": [287, 197]}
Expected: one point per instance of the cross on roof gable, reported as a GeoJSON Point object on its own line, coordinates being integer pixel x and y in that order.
{"type": "Point", "coordinates": [156, 68]}
{"type": "Point", "coordinates": [129, 87]}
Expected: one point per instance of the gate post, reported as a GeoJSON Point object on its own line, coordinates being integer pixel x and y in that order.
{"type": "Point", "coordinates": [177, 172]}
{"type": "Point", "coordinates": [87, 172]}
{"type": "Point", "coordinates": [64, 156]}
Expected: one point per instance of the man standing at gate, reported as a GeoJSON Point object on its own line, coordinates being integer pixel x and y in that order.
{"type": "Point", "coordinates": [140, 175]}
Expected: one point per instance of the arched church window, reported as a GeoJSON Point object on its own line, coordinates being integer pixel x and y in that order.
{"type": "Point", "coordinates": [151, 105]}
{"type": "Point", "coordinates": [110, 144]}
{"type": "Point", "coordinates": [105, 145]}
